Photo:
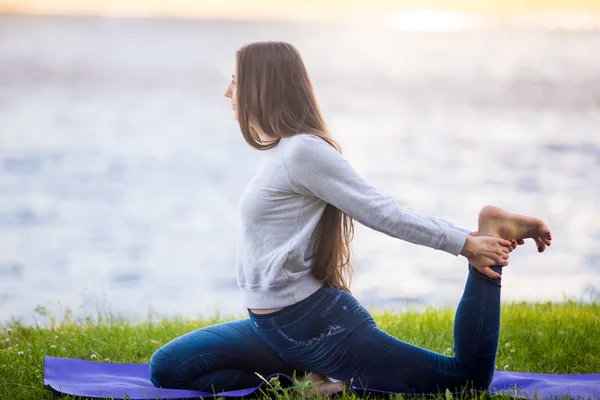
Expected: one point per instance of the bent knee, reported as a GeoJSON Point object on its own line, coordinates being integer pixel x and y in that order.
{"type": "Point", "coordinates": [162, 372]}
{"type": "Point", "coordinates": [482, 381]}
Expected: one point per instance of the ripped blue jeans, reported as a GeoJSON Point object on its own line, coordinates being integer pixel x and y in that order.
{"type": "Point", "coordinates": [331, 334]}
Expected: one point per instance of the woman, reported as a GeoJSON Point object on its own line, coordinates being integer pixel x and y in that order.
{"type": "Point", "coordinates": [294, 260]}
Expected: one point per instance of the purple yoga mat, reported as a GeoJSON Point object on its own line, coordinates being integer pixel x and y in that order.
{"type": "Point", "coordinates": [131, 381]}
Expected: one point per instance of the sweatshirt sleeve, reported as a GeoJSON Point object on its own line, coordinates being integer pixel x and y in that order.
{"type": "Point", "coordinates": [458, 228]}
{"type": "Point", "coordinates": [317, 169]}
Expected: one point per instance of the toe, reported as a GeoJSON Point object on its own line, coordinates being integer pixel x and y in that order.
{"type": "Point", "coordinates": [546, 236]}
{"type": "Point", "coordinates": [540, 244]}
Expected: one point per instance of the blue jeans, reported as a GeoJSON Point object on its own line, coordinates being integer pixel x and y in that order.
{"type": "Point", "coordinates": [331, 334]}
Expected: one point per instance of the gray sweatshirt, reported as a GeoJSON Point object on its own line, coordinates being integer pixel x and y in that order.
{"type": "Point", "coordinates": [283, 203]}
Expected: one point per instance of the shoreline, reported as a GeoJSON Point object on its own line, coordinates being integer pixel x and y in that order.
{"type": "Point", "coordinates": [407, 19]}
{"type": "Point", "coordinates": [46, 320]}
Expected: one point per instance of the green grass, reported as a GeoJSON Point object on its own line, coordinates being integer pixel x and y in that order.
{"type": "Point", "coordinates": [554, 338]}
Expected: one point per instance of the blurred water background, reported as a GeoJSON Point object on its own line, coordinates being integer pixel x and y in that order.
{"type": "Point", "coordinates": [121, 164]}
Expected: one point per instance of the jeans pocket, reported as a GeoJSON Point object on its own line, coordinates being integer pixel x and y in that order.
{"type": "Point", "coordinates": [310, 333]}
{"type": "Point", "coordinates": [336, 314]}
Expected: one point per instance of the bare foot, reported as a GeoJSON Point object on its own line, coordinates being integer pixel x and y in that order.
{"type": "Point", "coordinates": [496, 222]}
{"type": "Point", "coordinates": [322, 386]}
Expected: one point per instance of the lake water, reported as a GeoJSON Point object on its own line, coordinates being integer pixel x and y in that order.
{"type": "Point", "coordinates": [121, 164]}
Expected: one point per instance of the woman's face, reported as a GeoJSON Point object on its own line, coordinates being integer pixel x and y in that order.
{"type": "Point", "coordinates": [230, 93]}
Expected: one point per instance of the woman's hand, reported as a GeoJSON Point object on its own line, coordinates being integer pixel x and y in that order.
{"type": "Point", "coordinates": [485, 251]}
{"type": "Point", "coordinates": [514, 243]}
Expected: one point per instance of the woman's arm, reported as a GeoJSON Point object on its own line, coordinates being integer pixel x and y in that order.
{"type": "Point", "coordinates": [315, 168]}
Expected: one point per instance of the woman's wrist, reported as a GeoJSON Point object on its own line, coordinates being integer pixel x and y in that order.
{"type": "Point", "coordinates": [467, 248]}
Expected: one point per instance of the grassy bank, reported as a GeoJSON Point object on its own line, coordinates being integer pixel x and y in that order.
{"type": "Point", "coordinates": [554, 338]}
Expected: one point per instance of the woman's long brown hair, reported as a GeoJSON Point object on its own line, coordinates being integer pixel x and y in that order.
{"type": "Point", "coordinates": [275, 97]}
